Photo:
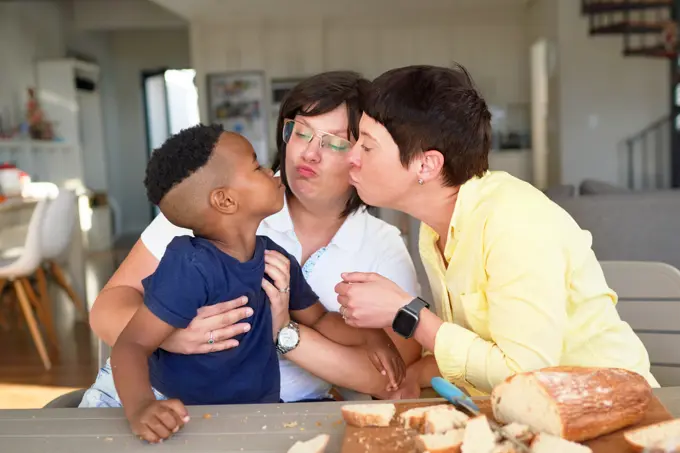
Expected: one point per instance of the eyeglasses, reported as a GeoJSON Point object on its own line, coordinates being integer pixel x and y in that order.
{"type": "Point", "coordinates": [294, 130]}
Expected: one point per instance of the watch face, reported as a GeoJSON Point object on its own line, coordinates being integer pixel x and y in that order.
{"type": "Point", "coordinates": [404, 323]}
{"type": "Point", "coordinates": [288, 338]}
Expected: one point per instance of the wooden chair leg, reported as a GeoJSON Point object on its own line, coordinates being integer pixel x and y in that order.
{"type": "Point", "coordinates": [43, 292]}
{"type": "Point", "coordinates": [3, 320]}
{"type": "Point", "coordinates": [32, 324]}
{"type": "Point", "coordinates": [60, 277]}
{"type": "Point", "coordinates": [44, 314]}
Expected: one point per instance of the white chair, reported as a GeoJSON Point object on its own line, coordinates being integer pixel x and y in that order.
{"type": "Point", "coordinates": [57, 233]}
{"type": "Point", "coordinates": [649, 300]}
{"type": "Point", "coordinates": [18, 271]}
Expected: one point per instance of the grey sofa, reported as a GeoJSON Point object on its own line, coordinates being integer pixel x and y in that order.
{"type": "Point", "coordinates": [627, 226]}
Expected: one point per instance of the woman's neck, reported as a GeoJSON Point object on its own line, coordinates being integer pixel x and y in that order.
{"type": "Point", "coordinates": [315, 224]}
{"type": "Point", "coordinates": [434, 206]}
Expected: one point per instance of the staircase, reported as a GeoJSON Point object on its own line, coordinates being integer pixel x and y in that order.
{"type": "Point", "coordinates": [647, 26]}
{"type": "Point", "coordinates": [648, 29]}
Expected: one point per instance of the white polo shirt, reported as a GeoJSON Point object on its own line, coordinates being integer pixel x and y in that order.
{"type": "Point", "coordinates": [363, 243]}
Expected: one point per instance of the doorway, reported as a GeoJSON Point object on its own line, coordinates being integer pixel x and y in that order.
{"type": "Point", "coordinates": [170, 105]}
{"type": "Point", "coordinates": [539, 112]}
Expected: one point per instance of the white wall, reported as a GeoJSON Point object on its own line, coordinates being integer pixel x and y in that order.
{"type": "Point", "coordinates": [491, 44]}
{"type": "Point", "coordinates": [123, 14]}
{"type": "Point", "coordinates": [133, 52]}
{"type": "Point", "coordinates": [29, 30]}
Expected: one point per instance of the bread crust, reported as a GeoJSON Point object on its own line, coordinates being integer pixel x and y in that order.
{"type": "Point", "coordinates": [590, 401]}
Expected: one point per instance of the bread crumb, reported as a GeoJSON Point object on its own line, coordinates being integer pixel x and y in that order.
{"type": "Point", "coordinates": [318, 424]}
{"type": "Point", "coordinates": [264, 427]}
{"type": "Point", "coordinates": [302, 429]}
{"type": "Point", "coordinates": [207, 416]}
{"type": "Point", "coordinates": [290, 425]}
{"type": "Point", "coordinates": [108, 439]}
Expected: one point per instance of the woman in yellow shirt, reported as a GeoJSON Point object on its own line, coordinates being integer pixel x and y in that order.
{"type": "Point", "coordinates": [515, 282]}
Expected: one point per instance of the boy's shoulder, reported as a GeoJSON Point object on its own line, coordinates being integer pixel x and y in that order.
{"type": "Point", "coordinates": [269, 244]}
{"type": "Point", "coordinates": [189, 248]}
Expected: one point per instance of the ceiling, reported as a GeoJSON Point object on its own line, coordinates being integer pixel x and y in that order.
{"type": "Point", "coordinates": [223, 10]}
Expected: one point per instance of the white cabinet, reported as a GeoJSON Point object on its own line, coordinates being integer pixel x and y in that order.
{"type": "Point", "coordinates": [68, 91]}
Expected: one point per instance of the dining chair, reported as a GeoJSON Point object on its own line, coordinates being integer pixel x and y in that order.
{"type": "Point", "coordinates": [16, 272]}
{"type": "Point", "coordinates": [57, 233]}
{"type": "Point", "coordinates": [649, 300]}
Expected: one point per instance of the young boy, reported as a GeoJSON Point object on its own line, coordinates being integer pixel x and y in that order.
{"type": "Point", "coordinates": [209, 181]}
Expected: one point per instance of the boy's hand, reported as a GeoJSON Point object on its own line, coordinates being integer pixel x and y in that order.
{"type": "Point", "coordinates": [410, 388]}
{"type": "Point", "coordinates": [159, 420]}
{"type": "Point", "coordinates": [277, 267]}
{"type": "Point", "coordinates": [385, 357]}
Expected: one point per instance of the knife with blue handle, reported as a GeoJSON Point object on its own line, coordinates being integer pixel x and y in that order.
{"type": "Point", "coordinates": [456, 397]}
{"type": "Point", "coordinates": [453, 394]}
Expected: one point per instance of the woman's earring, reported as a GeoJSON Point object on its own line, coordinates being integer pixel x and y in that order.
{"type": "Point", "coordinates": [420, 181]}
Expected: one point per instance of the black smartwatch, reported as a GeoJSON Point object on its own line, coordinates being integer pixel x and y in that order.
{"type": "Point", "coordinates": [408, 316]}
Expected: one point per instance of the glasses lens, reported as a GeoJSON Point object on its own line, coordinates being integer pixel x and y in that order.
{"type": "Point", "coordinates": [288, 127]}
{"type": "Point", "coordinates": [336, 144]}
{"type": "Point", "coordinates": [294, 130]}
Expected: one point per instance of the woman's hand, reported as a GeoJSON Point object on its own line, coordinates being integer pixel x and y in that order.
{"type": "Point", "coordinates": [219, 320]}
{"type": "Point", "coordinates": [277, 267]}
{"type": "Point", "coordinates": [370, 300]}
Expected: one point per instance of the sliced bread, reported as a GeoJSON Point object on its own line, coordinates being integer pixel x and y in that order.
{"type": "Point", "coordinates": [519, 431]}
{"type": "Point", "coordinates": [478, 437]}
{"type": "Point", "coordinates": [413, 418]}
{"type": "Point", "coordinates": [547, 443]}
{"type": "Point", "coordinates": [441, 419]}
{"type": "Point", "coordinates": [316, 445]}
{"type": "Point", "coordinates": [663, 436]}
{"type": "Point", "coordinates": [575, 403]}
{"type": "Point", "coordinates": [361, 415]}
{"type": "Point", "coordinates": [448, 442]}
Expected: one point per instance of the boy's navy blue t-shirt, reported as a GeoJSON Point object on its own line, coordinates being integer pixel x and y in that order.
{"type": "Point", "coordinates": [194, 273]}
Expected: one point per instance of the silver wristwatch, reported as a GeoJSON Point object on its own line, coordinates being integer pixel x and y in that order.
{"type": "Point", "coordinates": [288, 338]}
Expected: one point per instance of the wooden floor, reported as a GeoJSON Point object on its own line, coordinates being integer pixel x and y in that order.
{"type": "Point", "coordinates": [24, 383]}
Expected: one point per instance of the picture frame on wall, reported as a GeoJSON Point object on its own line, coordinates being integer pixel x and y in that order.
{"type": "Point", "coordinates": [279, 90]}
{"type": "Point", "coordinates": [238, 101]}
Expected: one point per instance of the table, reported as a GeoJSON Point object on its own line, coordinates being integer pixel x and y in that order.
{"type": "Point", "coordinates": [251, 428]}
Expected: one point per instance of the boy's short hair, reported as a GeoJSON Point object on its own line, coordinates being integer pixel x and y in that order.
{"type": "Point", "coordinates": [178, 158]}
{"type": "Point", "coordinates": [434, 108]}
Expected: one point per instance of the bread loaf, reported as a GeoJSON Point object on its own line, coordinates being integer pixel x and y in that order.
{"type": "Point", "coordinates": [575, 403]}
{"type": "Point", "coordinates": [361, 415]}
{"type": "Point", "coordinates": [663, 437]}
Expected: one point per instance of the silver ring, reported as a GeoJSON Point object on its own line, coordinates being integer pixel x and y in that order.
{"type": "Point", "coordinates": [285, 290]}
{"type": "Point", "coordinates": [211, 340]}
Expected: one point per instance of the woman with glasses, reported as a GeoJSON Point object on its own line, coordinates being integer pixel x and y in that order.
{"type": "Point", "coordinates": [323, 223]}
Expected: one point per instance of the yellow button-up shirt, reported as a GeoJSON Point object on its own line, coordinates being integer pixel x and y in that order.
{"type": "Point", "coordinates": [522, 289]}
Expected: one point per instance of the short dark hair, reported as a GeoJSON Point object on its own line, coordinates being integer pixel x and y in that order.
{"type": "Point", "coordinates": [316, 95]}
{"type": "Point", "coordinates": [178, 158]}
{"type": "Point", "coordinates": [429, 107]}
